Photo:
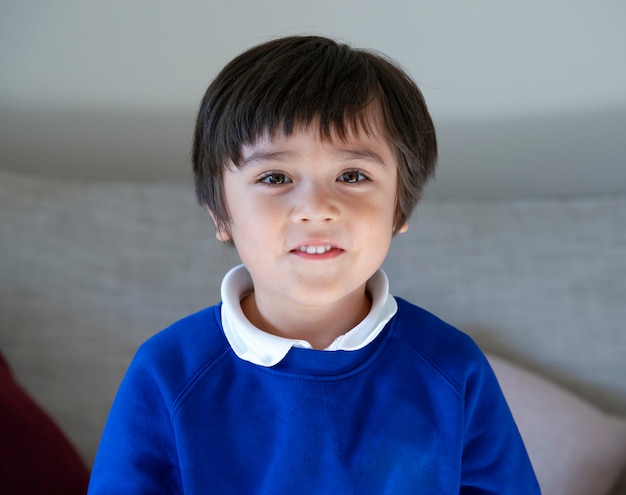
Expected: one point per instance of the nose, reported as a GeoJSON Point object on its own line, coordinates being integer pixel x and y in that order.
{"type": "Point", "coordinates": [314, 203]}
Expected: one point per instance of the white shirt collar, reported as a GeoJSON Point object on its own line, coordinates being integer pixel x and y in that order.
{"type": "Point", "coordinates": [262, 348]}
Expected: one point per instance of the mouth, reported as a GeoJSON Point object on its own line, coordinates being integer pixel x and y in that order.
{"type": "Point", "coordinates": [317, 251]}
{"type": "Point", "coordinates": [314, 249]}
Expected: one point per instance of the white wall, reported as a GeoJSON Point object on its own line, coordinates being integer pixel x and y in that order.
{"type": "Point", "coordinates": [529, 96]}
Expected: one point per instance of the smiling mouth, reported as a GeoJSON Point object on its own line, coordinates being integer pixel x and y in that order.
{"type": "Point", "coordinates": [314, 249]}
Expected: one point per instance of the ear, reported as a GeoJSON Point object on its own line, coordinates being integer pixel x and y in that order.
{"type": "Point", "coordinates": [404, 228]}
{"type": "Point", "coordinates": [220, 233]}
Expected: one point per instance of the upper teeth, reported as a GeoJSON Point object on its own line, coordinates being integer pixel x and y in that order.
{"type": "Point", "coordinates": [315, 249]}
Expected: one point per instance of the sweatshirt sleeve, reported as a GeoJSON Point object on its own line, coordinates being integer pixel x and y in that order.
{"type": "Point", "coordinates": [495, 460]}
{"type": "Point", "coordinates": [137, 451]}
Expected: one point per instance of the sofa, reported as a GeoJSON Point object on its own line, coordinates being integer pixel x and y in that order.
{"type": "Point", "coordinates": [89, 270]}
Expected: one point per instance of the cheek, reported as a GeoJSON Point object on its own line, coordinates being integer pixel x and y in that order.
{"type": "Point", "coordinates": [373, 226]}
{"type": "Point", "coordinates": [252, 226]}
{"type": "Point", "coordinates": [380, 210]}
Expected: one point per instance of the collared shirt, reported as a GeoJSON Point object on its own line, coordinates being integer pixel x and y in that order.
{"type": "Point", "coordinates": [265, 349]}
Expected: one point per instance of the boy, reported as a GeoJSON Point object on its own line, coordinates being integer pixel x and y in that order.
{"type": "Point", "coordinates": [309, 377]}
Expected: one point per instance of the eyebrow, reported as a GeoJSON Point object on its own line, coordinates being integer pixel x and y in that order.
{"type": "Point", "coordinates": [283, 156]}
{"type": "Point", "coordinates": [261, 156]}
{"type": "Point", "coordinates": [361, 154]}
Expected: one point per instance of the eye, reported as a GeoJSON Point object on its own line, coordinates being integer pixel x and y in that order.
{"type": "Point", "coordinates": [352, 176]}
{"type": "Point", "coordinates": [274, 179]}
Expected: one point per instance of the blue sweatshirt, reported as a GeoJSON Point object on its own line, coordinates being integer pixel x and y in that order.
{"type": "Point", "coordinates": [416, 411]}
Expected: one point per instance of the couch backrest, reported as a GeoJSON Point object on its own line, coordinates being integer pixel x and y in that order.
{"type": "Point", "coordinates": [89, 271]}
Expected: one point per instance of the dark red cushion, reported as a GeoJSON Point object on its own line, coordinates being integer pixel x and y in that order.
{"type": "Point", "coordinates": [35, 456]}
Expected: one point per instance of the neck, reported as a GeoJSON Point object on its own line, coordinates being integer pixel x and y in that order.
{"type": "Point", "coordinates": [319, 326]}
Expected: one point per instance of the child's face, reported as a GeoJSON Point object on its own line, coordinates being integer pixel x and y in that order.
{"type": "Point", "coordinates": [312, 220]}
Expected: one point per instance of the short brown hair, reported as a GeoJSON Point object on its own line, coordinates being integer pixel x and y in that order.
{"type": "Point", "coordinates": [292, 82]}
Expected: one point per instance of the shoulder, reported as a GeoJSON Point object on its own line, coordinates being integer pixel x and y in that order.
{"type": "Point", "coordinates": [203, 328]}
{"type": "Point", "coordinates": [138, 445]}
{"type": "Point", "coordinates": [446, 355]}
{"type": "Point", "coordinates": [431, 336]}
{"type": "Point", "coordinates": [446, 350]}
{"type": "Point", "coordinates": [174, 357]}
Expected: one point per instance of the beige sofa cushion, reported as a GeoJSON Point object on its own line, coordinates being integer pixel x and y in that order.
{"type": "Point", "coordinates": [575, 448]}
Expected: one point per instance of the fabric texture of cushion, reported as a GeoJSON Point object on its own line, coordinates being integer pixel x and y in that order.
{"type": "Point", "coordinates": [575, 448]}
